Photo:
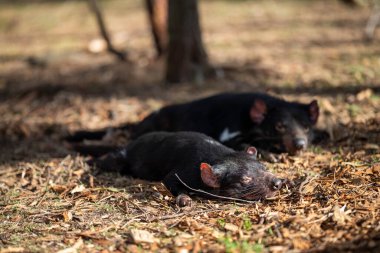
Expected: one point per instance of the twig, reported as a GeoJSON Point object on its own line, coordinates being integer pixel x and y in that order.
{"type": "Point", "coordinates": [307, 180]}
{"type": "Point", "coordinates": [41, 198]}
{"type": "Point", "coordinates": [103, 31]}
{"type": "Point", "coordinates": [133, 219]}
{"type": "Point", "coordinates": [214, 195]}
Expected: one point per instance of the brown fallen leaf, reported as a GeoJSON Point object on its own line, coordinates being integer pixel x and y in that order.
{"type": "Point", "coordinates": [364, 94]}
{"type": "Point", "coordinates": [140, 236]}
{"type": "Point", "coordinates": [74, 248]}
{"type": "Point", "coordinates": [9, 181]}
{"type": "Point", "coordinates": [78, 188]}
{"type": "Point", "coordinates": [376, 168]}
{"type": "Point", "coordinates": [371, 146]}
{"type": "Point", "coordinates": [231, 227]}
{"type": "Point", "coordinates": [103, 242]}
{"type": "Point", "coordinates": [133, 248]}
{"type": "Point", "coordinates": [89, 234]}
{"type": "Point", "coordinates": [92, 197]}
{"type": "Point", "coordinates": [59, 188]}
{"type": "Point", "coordinates": [327, 106]}
{"type": "Point", "coordinates": [67, 215]}
{"type": "Point", "coordinates": [340, 216]}
{"type": "Point", "coordinates": [12, 250]}
{"type": "Point", "coordinates": [278, 249]}
{"type": "Point", "coordinates": [300, 243]}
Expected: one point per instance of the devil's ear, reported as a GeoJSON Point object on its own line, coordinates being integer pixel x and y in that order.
{"type": "Point", "coordinates": [208, 176]}
{"type": "Point", "coordinates": [313, 109]}
{"type": "Point", "coordinates": [258, 110]}
{"type": "Point", "coordinates": [252, 151]}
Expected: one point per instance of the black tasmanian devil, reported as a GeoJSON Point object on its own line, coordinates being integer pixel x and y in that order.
{"type": "Point", "coordinates": [235, 119]}
{"type": "Point", "coordinates": [198, 160]}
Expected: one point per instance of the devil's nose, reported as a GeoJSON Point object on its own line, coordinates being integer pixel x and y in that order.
{"type": "Point", "coordinates": [276, 184]}
{"type": "Point", "coordinates": [300, 144]}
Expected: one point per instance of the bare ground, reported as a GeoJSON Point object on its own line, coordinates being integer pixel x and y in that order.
{"type": "Point", "coordinates": [51, 85]}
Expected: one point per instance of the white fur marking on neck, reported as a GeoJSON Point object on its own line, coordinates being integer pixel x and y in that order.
{"type": "Point", "coordinates": [226, 135]}
{"type": "Point", "coordinates": [123, 153]}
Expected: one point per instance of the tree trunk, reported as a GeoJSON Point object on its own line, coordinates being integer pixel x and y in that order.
{"type": "Point", "coordinates": [158, 15]}
{"type": "Point", "coordinates": [187, 57]}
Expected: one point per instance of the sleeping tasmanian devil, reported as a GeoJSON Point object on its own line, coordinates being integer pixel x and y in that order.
{"type": "Point", "coordinates": [198, 160]}
{"type": "Point", "coordinates": [235, 119]}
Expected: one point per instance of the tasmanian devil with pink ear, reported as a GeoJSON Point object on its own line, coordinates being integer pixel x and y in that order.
{"type": "Point", "coordinates": [279, 126]}
{"type": "Point", "coordinates": [237, 120]}
{"type": "Point", "coordinates": [185, 161]}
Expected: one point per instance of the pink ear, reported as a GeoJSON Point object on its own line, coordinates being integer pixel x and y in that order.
{"type": "Point", "coordinates": [258, 110]}
{"type": "Point", "coordinates": [208, 176]}
{"type": "Point", "coordinates": [314, 111]}
{"type": "Point", "coordinates": [252, 151]}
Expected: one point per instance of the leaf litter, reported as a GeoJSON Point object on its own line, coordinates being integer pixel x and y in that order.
{"type": "Point", "coordinates": [52, 201]}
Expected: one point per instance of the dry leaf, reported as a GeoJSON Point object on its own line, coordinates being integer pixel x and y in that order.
{"type": "Point", "coordinates": [182, 250]}
{"type": "Point", "coordinates": [364, 94]}
{"type": "Point", "coordinates": [92, 197]}
{"type": "Point", "coordinates": [103, 242]}
{"type": "Point", "coordinates": [328, 106]}
{"type": "Point", "coordinates": [37, 104]}
{"type": "Point", "coordinates": [133, 248]}
{"type": "Point", "coordinates": [376, 168]}
{"type": "Point", "coordinates": [231, 227]}
{"type": "Point", "coordinates": [74, 248]}
{"type": "Point", "coordinates": [315, 230]}
{"type": "Point", "coordinates": [12, 250]}
{"type": "Point", "coordinates": [9, 181]}
{"type": "Point", "coordinates": [278, 248]}
{"type": "Point", "coordinates": [67, 216]}
{"type": "Point", "coordinates": [139, 236]}
{"type": "Point", "coordinates": [89, 234]}
{"type": "Point", "coordinates": [78, 188]}
{"type": "Point", "coordinates": [300, 243]}
{"type": "Point", "coordinates": [371, 146]}
{"type": "Point", "coordinates": [340, 216]}
{"type": "Point", "coordinates": [58, 188]}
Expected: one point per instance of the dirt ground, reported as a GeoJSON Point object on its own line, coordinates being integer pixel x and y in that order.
{"type": "Point", "coordinates": [51, 85]}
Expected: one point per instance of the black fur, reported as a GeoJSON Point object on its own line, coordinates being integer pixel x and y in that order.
{"type": "Point", "coordinates": [214, 115]}
{"type": "Point", "coordinates": [232, 111]}
{"type": "Point", "coordinates": [159, 156]}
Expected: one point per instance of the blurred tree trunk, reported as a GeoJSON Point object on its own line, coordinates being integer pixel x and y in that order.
{"type": "Point", "coordinates": [187, 57]}
{"type": "Point", "coordinates": [158, 15]}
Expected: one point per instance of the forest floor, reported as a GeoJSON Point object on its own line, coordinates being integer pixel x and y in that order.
{"type": "Point", "coordinates": [51, 85]}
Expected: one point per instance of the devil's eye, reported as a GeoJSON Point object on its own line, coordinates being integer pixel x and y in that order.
{"type": "Point", "coordinates": [305, 126]}
{"type": "Point", "coordinates": [280, 127]}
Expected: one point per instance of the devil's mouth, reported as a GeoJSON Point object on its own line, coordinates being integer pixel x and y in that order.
{"type": "Point", "coordinates": [292, 150]}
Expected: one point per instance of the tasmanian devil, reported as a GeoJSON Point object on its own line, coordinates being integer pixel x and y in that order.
{"type": "Point", "coordinates": [198, 161]}
{"type": "Point", "coordinates": [235, 119]}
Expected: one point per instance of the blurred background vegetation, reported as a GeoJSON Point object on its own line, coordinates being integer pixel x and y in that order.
{"type": "Point", "coordinates": [302, 41]}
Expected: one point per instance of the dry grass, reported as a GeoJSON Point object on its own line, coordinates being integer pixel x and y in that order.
{"type": "Point", "coordinates": [51, 200]}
